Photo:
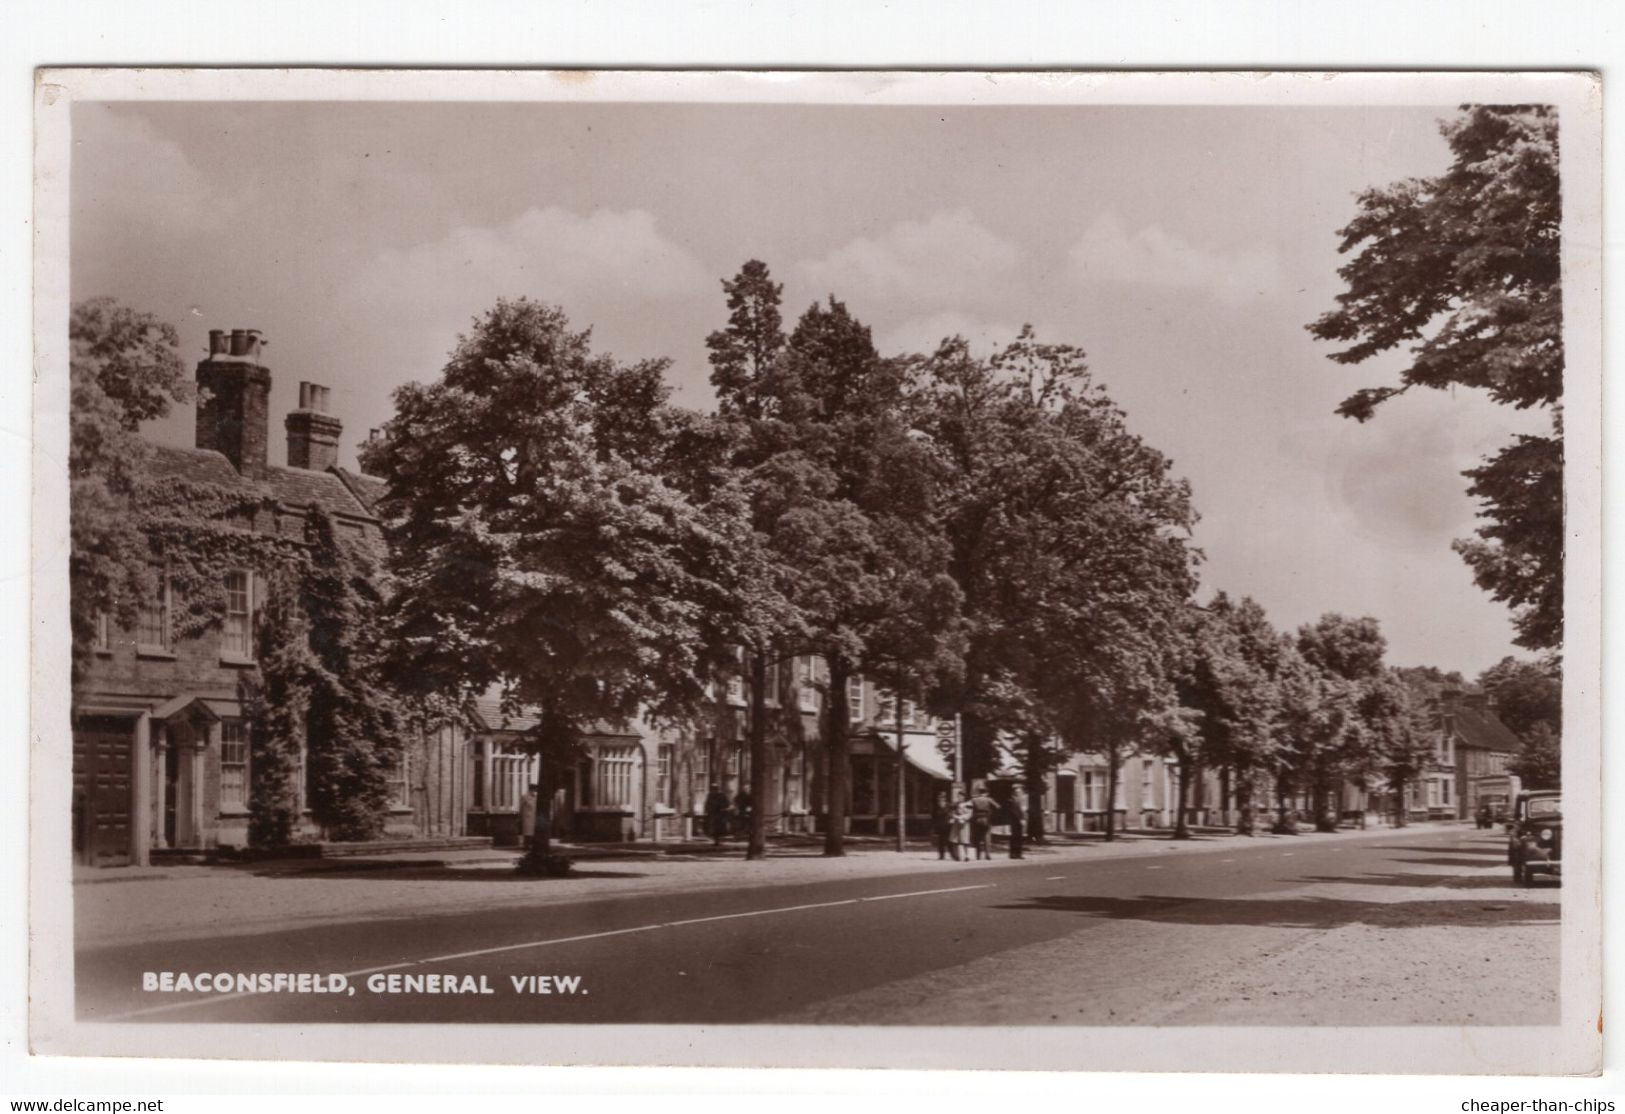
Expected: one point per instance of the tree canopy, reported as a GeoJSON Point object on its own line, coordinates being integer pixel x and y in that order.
{"type": "Point", "coordinates": [1463, 271]}
{"type": "Point", "coordinates": [538, 540]}
{"type": "Point", "coordinates": [124, 368]}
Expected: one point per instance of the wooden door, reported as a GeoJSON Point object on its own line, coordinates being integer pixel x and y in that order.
{"type": "Point", "coordinates": [101, 787]}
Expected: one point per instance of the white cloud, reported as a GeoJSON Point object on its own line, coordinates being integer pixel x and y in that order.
{"type": "Point", "coordinates": [130, 181]}
{"type": "Point", "coordinates": [1152, 256]}
{"type": "Point", "coordinates": [923, 334]}
{"type": "Point", "coordinates": [948, 258]}
{"type": "Point", "coordinates": [550, 254]}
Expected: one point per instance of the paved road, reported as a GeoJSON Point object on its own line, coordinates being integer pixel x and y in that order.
{"type": "Point", "coordinates": [1418, 926]}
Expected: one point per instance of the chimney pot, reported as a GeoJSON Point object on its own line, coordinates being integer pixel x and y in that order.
{"type": "Point", "coordinates": [234, 417]}
{"type": "Point", "coordinates": [313, 433]}
{"type": "Point", "coordinates": [313, 396]}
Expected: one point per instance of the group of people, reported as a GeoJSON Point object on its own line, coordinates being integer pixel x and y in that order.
{"type": "Point", "coordinates": [963, 826]}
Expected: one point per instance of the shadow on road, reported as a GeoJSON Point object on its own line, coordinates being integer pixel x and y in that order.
{"type": "Point", "coordinates": [1295, 912]}
{"type": "Point", "coordinates": [1441, 861]}
{"type": "Point", "coordinates": [1489, 851]}
{"type": "Point", "coordinates": [1456, 882]}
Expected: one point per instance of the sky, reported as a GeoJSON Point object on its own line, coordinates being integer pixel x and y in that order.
{"type": "Point", "coordinates": [1183, 248]}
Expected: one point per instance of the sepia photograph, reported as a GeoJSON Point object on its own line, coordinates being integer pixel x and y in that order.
{"type": "Point", "coordinates": [791, 569]}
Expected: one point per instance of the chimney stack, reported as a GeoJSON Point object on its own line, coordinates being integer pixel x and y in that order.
{"type": "Point", "coordinates": [233, 416]}
{"type": "Point", "coordinates": [313, 433]}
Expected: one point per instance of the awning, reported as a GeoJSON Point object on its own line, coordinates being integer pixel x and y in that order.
{"type": "Point", "coordinates": [921, 752]}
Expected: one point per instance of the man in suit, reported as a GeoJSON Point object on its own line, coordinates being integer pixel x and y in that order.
{"type": "Point", "coordinates": [1015, 814]}
{"type": "Point", "coordinates": [982, 810]}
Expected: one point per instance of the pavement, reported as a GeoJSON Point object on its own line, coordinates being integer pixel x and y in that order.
{"type": "Point", "coordinates": [1386, 927]}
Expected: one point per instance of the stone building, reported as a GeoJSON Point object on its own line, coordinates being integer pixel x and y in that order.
{"type": "Point", "coordinates": [160, 752]}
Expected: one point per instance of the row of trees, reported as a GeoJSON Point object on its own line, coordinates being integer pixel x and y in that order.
{"type": "Point", "coordinates": [983, 534]}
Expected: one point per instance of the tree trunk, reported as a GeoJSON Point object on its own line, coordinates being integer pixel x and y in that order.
{"type": "Point", "coordinates": [1283, 787]}
{"type": "Point", "coordinates": [837, 748]}
{"type": "Point", "coordinates": [902, 774]}
{"type": "Point", "coordinates": [1037, 772]}
{"type": "Point", "coordinates": [1182, 828]}
{"type": "Point", "coordinates": [1246, 822]}
{"type": "Point", "coordinates": [1325, 818]}
{"type": "Point", "coordinates": [756, 846]}
{"type": "Point", "coordinates": [541, 844]}
{"type": "Point", "coordinates": [1112, 763]}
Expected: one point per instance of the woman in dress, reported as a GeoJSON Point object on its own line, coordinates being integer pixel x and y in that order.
{"type": "Point", "coordinates": [960, 830]}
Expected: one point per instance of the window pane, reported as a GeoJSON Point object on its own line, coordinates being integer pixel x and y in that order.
{"type": "Point", "coordinates": [152, 625]}
{"type": "Point", "coordinates": [236, 632]}
{"type": "Point", "coordinates": [233, 765]}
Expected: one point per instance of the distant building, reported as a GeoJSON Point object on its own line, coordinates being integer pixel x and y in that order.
{"type": "Point", "coordinates": [1480, 748]}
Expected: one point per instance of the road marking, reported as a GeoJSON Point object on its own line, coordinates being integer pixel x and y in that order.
{"type": "Point", "coordinates": [189, 1004]}
{"type": "Point", "coordinates": [1227, 860]}
{"type": "Point", "coordinates": [1055, 878]}
{"type": "Point", "coordinates": [1153, 868]}
{"type": "Point", "coordinates": [1286, 854]}
{"type": "Point", "coordinates": [914, 893]}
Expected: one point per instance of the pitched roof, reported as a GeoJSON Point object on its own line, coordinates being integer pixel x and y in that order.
{"type": "Point", "coordinates": [197, 465]}
{"type": "Point", "coordinates": [1486, 731]}
{"type": "Point", "coordinates": [294, 486]}
{"type": "Point", "coordinates": [304, 488]}
{"type": "Point", "coordinates": [368, 489]}
{"type": "Point", "coordinates": [488, 714]}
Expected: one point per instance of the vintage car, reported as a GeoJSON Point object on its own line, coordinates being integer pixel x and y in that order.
{"type": "Point", "coordinates": [1535, 836]}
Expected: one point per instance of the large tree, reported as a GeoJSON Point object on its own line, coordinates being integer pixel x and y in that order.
{"type": "Point", "coordinates": [1344, 659]}
{"type": "Point", "coordinates": [124, 368]}
{"type": "Point", "coordinates": [1408, 704]}
{"type": "Point", "coordinates": [1068, 539]}
{"type": "Point", "coordinates": [1528, 698]}
{"type": "Point", "coordinates": [535, 540]}
{"type": "Point", "coordinates": [744, 451]}
{"type": "Point", "coordinates": [1228, 670]}
{"type": "Point", "coordinates": [849, 509]}
{"type": "Point", "coordinates": [1463, 270]}
{"type": "Point", "coordinates": [1525, 694]}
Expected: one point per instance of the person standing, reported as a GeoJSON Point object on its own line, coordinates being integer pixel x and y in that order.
{"type": "Point", "coordinates": [960, 831]}
{"type": "Point", "coordinates": [742, 807]}
{"type": "Point", "coordinates": [527, 817]}
{"type": "Point", "coordinates": [982, 809]}
{"type": "Point", "coordinates": [716, 814]}
{"type": "Point", "coordinates": [942, 827]}
{"type": "Point", "coordinates": [1016, 815]}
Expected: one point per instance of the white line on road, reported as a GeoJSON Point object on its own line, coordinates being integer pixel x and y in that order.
{"type": "Point", "coordinates": [171, 1006]}
{"type": "Point", "coordinates": [1227, 860]}
{"type": "Point", "coordinates": [1055, 878]}
{"type": "Point", "coordinates": [921, 893]}
{"type": "Point", "coordinates": [1153, 868]}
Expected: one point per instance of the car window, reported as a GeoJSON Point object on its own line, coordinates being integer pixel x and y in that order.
{"type": "Point", "coordinates": [1545, 806]}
